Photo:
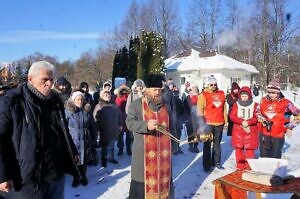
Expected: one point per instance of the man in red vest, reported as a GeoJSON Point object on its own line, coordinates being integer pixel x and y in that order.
{"type": "Point", "coordinates": [212, 111]}
{"type": "Point", "coordinates": [151, 155]}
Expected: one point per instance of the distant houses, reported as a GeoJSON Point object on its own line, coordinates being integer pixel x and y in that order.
{"type": "Point", "coordinates": [194, 66]}
{"type": "Point", "coordinates": [7, 71]}
{"type": "Point", "coordinates": [11, 74]}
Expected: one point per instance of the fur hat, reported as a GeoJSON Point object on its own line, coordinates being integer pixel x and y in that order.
{"type": "Point", "coordinates": [155, 81]}
{"type": "Point", "coordinates": [138, 82]}
{"type": "Point", "coordinates": [76, 94]}
{"type": "Point", "coordinates": [106, 84]}
{"type": "Point", "coordinates": [211, 80]}
{"type": "Point", "coordinates": [274, 86]}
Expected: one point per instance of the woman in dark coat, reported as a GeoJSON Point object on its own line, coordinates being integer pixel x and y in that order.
{"type": "Point", "coordinates": [107, 125]}
{"type": "Point", "coordinates": [231, 98]}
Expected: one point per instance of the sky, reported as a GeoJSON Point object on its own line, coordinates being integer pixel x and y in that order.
{"type": "Point", "coordinates": [61, 28]}
{"type": "Point", "coordinates": [190, 181]}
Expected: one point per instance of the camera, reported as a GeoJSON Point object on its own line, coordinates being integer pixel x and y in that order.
{"type": "Point", "coordinates": [268, 125]}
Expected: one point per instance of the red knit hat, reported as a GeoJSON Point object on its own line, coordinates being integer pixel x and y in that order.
{"type": "Point", "coordinates": [274, 86]}
{"type": "Point", "coordinates": [245, 90]}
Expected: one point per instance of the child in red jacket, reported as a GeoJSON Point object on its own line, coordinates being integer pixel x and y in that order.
{"type": "Point", "coordinates": [244, 133]}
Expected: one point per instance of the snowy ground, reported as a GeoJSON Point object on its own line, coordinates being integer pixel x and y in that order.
{"type": "Point", "coordinates": [189, 178]}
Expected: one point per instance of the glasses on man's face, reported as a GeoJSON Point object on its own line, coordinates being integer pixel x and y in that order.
{"type": "Point", "coordinates": [211, 85]}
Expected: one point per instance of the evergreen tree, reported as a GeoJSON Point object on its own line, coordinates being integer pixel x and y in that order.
{"type": "Point", "coordinates": [134, 47]}
{"type": "Point", "coordinates": [151, 58]}
{"type": "Point", "coordinates": [18, 78]}
{"type": "Point", "coordinates": [120, 66]}
{"type": "Point", "coordinates": [124, 62]}
{"type": "Point", "coordinates": [116, 67]}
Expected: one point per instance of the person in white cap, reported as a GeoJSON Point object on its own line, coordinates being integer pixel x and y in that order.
{"type": "Point", "coordinates": [212, 112]}
{"type": "Point", "coordinates": [80, 127]}
{"type": "Point", "coordinates": [274, 116]}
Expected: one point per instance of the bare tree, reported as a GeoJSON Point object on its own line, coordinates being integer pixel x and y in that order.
{"type": "Point", "coordinates": [232, 16]}
{"type": "Point", "coordinates": [163, 14]}
{"type": "Point", "coordinates": [203, 18]}
{"type": "Point", "coordinates": [132, 20]}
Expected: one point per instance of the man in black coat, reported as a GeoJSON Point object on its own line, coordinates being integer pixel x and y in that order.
{"type": "Point", "coordinates": [36, 149]}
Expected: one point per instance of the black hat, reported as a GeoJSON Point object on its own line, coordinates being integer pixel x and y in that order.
{"type": "Point", "coordinates": [61, 81]}
{"type": "Point", "coordinates": [155, 81]}
{"type": "Point", "coordinates": [83, 84]}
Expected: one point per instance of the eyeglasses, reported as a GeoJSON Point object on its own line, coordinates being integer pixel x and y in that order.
{"type": "Point", "coordinates": [213, 85]}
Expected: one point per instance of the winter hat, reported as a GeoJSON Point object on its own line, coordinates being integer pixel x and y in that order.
{"type": "Point", "coordinates": [274, 86]}
{"type": "Point", "coordinates": [155, 81]}
{"type": "Point", "coordinates": [138, 82]}
{"type": "Point", "coordinates": [193, 84]}
{"type": "Point", "coordinates": [234, 86]}
{"type": "Point", "coordinates": [106, 84]}
{"type": "Point", "coordinates": [83, 84]}
{"type": "Point", "coordinates": [76, 94]}
{"type": "Point", "coordinates": [187, 84]}
{"type": "Point", "coordinates": [245, 90]}
{"type": "Point", "coordinates": [211, 80]}
{"type": "Point", "coordinates": [62, 81]}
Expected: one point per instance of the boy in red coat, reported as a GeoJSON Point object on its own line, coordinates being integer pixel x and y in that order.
{"type": "Point", "coordinates": [244, 133]}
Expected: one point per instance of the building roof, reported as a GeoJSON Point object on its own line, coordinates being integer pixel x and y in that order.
{"type": "Point", "coordinates": [194, 60]}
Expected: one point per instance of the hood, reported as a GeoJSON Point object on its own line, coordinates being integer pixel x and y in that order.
{"type": "Point", "coordinates": [247, 90]}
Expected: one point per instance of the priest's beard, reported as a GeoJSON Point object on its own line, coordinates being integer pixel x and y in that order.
{"type": "Point", "coordinates": [157, 100]}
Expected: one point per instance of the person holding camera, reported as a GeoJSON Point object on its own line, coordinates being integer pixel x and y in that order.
{"type": "Point", "coordinates": [274, 116]}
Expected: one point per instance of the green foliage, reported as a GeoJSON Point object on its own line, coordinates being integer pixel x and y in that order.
{"type": "Point", "coordinates": [134, 47]}
{"type": "Point", "coordinates": [151, 58]}
{"type": "Point", "coordinates": [120, 65]}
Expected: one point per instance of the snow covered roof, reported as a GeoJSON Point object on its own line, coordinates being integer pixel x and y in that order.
{"type": "Point", "coordinates": [194, 61]}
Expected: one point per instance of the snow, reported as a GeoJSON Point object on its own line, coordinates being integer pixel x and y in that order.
{"type": "Point", "coordinates": [194, 62]}
{"type": "Point", "coordinates": [189, 178]}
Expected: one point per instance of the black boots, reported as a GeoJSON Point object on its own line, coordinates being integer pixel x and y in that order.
{"type": "Point", "coordinates": [77, 181]}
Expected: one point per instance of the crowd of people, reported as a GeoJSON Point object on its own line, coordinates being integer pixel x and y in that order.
{"type": "Point", "coordinates": [49, 129]}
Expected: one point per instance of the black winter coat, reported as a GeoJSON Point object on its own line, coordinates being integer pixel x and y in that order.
{"type": "Point", "coordinates": [20, 146]}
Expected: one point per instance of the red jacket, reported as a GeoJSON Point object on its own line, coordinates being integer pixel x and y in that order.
{"type": "Point", "coordinates": [214, 110]}
{"type": "Point", "coordinates": [274, 111]}
{"type": "Point", "coordinates": [240, 138]}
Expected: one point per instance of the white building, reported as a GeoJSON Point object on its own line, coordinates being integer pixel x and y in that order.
{"type": "Point", "coordinates": [195, 67]}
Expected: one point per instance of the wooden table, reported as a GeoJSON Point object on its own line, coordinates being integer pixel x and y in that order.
{"type": "Point", "coordinates": [232, 186]}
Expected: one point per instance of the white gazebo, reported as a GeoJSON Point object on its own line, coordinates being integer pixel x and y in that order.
{"type": "Point", "coordinates": [195, 67]}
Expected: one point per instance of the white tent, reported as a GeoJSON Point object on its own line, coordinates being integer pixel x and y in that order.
{"type": "Point", "coordinates": [195, 67]}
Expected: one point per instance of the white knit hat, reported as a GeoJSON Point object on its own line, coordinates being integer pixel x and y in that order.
{"type": "Point", "coordinates": [75, 94]}
{"type": "Point", "coordinates": [211, 79]}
